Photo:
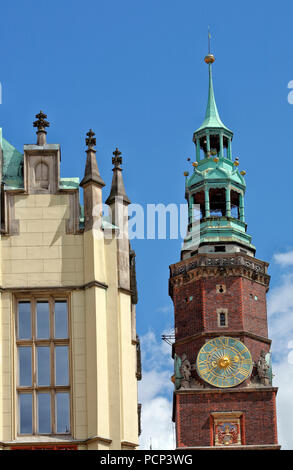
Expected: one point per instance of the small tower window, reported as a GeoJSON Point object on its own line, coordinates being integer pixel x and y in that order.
{"type": "Point", "coordinates": [222, 317]}
{"type": "Point", "coordinates": [220, 249]}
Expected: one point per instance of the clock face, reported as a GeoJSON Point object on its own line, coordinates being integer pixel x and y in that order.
{"type": "Point", "coordinates": [224, 362]}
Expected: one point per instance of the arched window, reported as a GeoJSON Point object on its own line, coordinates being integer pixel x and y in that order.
{"type": "Point", "coordinates": [42, 175]}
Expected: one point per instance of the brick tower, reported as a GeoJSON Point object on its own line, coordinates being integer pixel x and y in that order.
{"type": "Point", "coordinates": [223, 397]}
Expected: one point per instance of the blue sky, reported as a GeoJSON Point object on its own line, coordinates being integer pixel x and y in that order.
{"type": "Point", "coordinates": [134, 72]}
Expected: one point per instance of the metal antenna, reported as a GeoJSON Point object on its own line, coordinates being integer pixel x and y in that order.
{"type": "Point", "coordinates": [209, 40]}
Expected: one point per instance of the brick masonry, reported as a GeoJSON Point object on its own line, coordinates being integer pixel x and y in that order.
{"type": "Point", "coordinates": [197, 301]}
{"type": "Point", "coordinates": [193, 416]}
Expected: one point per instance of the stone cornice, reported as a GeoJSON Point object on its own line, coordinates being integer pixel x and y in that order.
{"type": "Point", "coordinates": [101, 285]}
{"type": "Point", "coordinates": [202, 266]}
{"type": "Point", "coordinates": [52, 441]}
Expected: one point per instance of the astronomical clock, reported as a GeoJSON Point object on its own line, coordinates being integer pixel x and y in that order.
{"type": "Point", "coordinates": [224, 362]}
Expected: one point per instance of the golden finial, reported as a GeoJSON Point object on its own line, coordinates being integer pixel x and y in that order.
{"type": "Point", "coordinates": [243, 173]}
{"type": "Point", "coordinates": [216, 159]}
{"type": "Point", "coordinates": [195, 164]}
{"type": "Point", "coordinates": [210, 58]}
{"type": "Point", "coordinates": [236, 163]}
{"type": "Point", "coordinates": [186, 173]}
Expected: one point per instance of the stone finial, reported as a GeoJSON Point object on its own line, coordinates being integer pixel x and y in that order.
{"type": "Point", "coordinates": [41, 124]}
{"type": "Point", "coordinates": [117, 159]}
{"type": "Point", "coordinates": [90, 139]}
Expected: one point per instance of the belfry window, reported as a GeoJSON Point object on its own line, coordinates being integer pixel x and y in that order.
{"type": "Point", "coordinates": [235, 204]}
{"type": "Point", "coordinates": [43, 384]}
{"type": "Point", "coordinates": [199, 199]}
{"type": "Point", "coordinates": [217, 202]}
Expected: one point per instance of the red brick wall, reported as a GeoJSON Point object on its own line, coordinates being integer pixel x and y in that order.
{"type": "Point", "coordinates": [195, 308]}
{"type": "Point", "coordinates": [196, 305]}
{"type": "Point", "coordinates": [193, 416]}
{"type": "Point", "coordinates": [254, 311]}
{"type": "Point", "coordinates": [188, 312]}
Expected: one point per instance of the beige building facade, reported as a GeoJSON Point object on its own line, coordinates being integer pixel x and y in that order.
{"type": "Point", "coordinates": [69, 353]}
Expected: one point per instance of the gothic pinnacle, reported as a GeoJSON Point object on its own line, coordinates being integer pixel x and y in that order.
{"type": "Point", "coordinates": [91, 174]}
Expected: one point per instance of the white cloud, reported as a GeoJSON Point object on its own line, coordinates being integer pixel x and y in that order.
{"type": "Point", "coordinates": [164, 309]}
{"type": "Point", "coordinates": [155, 394]}
{"type": "Point", "coordinates": [284, 259]}
{"type": "Point", "coordinates": [284, 380]}
{"type": "Point", "coordinates": [157, 426]}
{"type": "Point", "coordinates": [280, 311]}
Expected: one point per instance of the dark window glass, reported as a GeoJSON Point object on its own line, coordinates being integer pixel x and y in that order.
{"type": "Point", "coordinates": [43, 320]}
{"type": "Point", "coordinates": [219, 249]}
{"type": "Point", "coordinates": [24, 320]}
{"type": "Point", "coordinates": [43, 366]}
{"type": "Point", "coordinates": [44, 413]}
{"type": "Point", "coordinates": [25, 413]}
{"type": "Point", "coordinates": [222, 319]}
{"type": "Point", "coordinates": [61, 319]}
{"type": "Point", "coordinates": [25, 366]}
{"type": "Point", "coordinates": [62, 412]}
{"type": "Point", "coordinates": [61, 365]}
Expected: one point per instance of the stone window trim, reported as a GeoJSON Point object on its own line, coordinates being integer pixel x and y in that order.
{"type": "Point", "coordinates": [52, 341]}
{"type": "Point", "coordinates": [219, 433]}
{"type": "Point", "coordinates": [221, 288]}
{"type": "Point", "coordinates": [220, 313]}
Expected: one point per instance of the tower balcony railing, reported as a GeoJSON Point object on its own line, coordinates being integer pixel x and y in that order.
{"type": "Point", "coordinates": [219, 222]}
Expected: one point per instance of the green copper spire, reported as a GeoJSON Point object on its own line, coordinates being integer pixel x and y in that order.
{"type": "Point", "coordinates": [212, 118]}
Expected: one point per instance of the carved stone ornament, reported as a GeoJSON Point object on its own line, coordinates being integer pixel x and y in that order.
{"type": "Point", "coordinates": [264, 368]}
{"type": "Point", "coordinates": [182, 372]}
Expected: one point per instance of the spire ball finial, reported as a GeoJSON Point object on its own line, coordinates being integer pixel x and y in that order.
{"type": "Point", "coordinates": [209, 59]}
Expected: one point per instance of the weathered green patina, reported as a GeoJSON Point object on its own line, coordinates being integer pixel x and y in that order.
{"type": "Point", "coordinates": [222, 220]}
{"type": "Point", "coordinates": [212, 117]}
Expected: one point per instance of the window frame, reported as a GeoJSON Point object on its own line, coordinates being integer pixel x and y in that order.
{"type": "Point", "coordinates": [222, 311]}
{"type": "Point", "coordinates": [34, 342]}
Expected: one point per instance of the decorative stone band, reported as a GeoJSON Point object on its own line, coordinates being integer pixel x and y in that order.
{"type": "Point", "coordinates": [235, 259]}
{"type": "Point", "coordinates": [205, 266]}
{"type": "Point", "coordinates": [213, 334]}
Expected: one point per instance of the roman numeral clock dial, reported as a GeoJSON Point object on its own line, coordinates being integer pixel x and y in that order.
{"type": "Point", "coordinates": [224, 362]}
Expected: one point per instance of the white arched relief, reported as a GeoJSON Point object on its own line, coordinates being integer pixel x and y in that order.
{"type": "Point", "coordinates": [42, 175]}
